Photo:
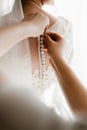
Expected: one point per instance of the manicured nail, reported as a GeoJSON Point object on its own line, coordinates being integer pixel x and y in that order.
{"type": "Point", "coordinates": [45, 49]}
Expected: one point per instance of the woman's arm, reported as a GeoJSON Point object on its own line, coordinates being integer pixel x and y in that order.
{"type": "Point", "coordinates": [74, 91]}
{"type": "Point", "coordinates": [11, 35]}
{"type": "Point", "coordinates": [29, 27]}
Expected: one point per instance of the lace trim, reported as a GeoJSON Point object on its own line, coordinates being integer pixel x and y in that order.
{"type": "Point", "coordinates": [43, 84]}
{"type": "Point", "coordinates": [47, 75]}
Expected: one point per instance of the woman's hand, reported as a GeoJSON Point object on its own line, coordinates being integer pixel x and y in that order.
{"type": "Point", "coordinates": [71, 86]}
{"type": "Point", "coordinates": [38, 23]}
{"type": "Point", "coordinates": [54, 44]}
{"type": "Point", "coordinates": [32, 26]}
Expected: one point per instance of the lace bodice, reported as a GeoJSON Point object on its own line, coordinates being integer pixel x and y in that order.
{"type": "Point", "coordinates": [47, 75]}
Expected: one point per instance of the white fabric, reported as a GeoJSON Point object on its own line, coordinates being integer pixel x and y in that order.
{"type": "Point", "coordinates": [6, 6]}
{"type": "Point", "coordinates": [48, 88]}
{"type": "Point", "coordinates": [16, 64]}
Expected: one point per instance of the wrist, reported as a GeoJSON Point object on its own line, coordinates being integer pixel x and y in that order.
{"type": "Point", "coordinates": [57, 58]}
{"type": "Point", "coordinates": [27, 28]}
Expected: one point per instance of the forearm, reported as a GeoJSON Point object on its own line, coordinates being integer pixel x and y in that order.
{"type": "Point", "coordinates": [74, 91]}
{"type": "Point", "coordinates": [11, 35]}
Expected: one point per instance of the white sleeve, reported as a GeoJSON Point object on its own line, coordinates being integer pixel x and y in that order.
{"type": "Point", "coordinates": [65, 30]}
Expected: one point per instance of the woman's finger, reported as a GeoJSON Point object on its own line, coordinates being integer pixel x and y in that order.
{"type": "Point", "coordinates": [54, 36]}
{"type": "Point", "coordinates": [47, 40]}
{"type": "Point", "coordinates": [45, 30]}
{"type": "Point", "coordinates": [45, 43]}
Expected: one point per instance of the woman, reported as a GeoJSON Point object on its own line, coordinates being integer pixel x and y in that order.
{"type": "Point", "coordinates": [15, 64]}
{"type": "Point", "coordinates": [73, 89]}
{"type": "Point", "coordinates": [23, 114]}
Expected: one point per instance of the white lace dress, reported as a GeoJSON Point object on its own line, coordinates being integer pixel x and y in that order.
{"type": "Point", "coordinates": [15, 70]}
{"type": "Point", "coordinates": [47, 85]}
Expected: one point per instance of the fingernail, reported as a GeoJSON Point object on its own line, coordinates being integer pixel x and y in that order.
{"type": "Point", "coordinates": [45, 50]}
{"type": "Point", "coordinates": [45, 29]}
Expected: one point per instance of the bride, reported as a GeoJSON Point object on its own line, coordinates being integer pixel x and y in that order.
{"type": "Point", "coordinates": [23, 62]}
